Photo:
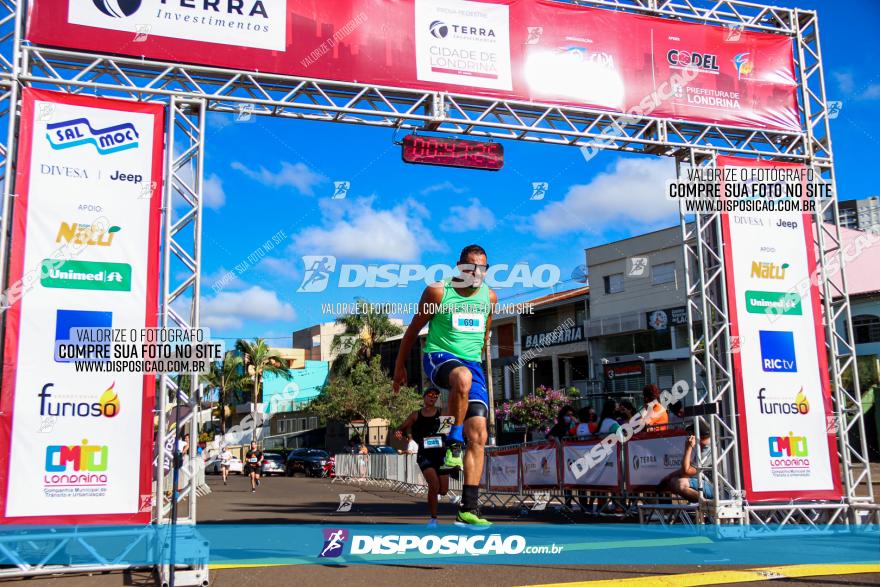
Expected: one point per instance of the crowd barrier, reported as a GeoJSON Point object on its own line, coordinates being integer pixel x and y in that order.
{"type": "Point", "coordinates": [529, 472]}
{"type": "Point", "coordinates": [396, 472]}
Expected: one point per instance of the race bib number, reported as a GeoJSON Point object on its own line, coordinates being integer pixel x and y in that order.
{"type": "Point", "coordinates": [432, 442]}
{"type": "Point", "coordinates": [252, 460]}
{"type": "Point", "coordinates": [468, 322]}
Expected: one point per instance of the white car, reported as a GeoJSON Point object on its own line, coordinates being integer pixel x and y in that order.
{"type": "Point", "coordinates": [235, 466]}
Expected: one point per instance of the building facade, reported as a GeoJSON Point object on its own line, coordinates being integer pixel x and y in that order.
{"type": "Point", "coordinates": [637, 327]}
{"type": "Point", "coordinates": [861, 214]}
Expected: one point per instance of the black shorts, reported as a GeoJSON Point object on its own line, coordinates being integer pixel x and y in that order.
{"type": "Point", "coordinates": [476, 410]}
{"type": "Point", "coordinates": [248, 469]}
{"type": "Point", "coordinates": [431, 459]}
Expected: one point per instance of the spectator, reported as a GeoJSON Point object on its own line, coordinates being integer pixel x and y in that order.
{"type": "Point", "coordinates": [607, 422]}
{"type": "Point", "coordinates": [363, 450]}
{"type": "Point", "coordinates": [625, 411]}
{"type": "Point", "coordinates": [685, 483]}
{"type": "Point", "coordinates": [566, 424]}
{"type": "Point", "coordinates": [589, 424]}
{"type": "Point", "coordinates": [412, 447]}
{"type": "Point", "coordinates": [653, 414]}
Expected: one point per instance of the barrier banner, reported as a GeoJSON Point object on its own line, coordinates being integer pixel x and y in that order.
{"type": "Point", "coordinates": [604, 475]}
{"type": "Point", "coordinates": [787, 429]}
{"type": "Point", "coordinates": [650, 459]}
{"type": "Point", "coordinates": [539, 467]}
{"type": "Point", "coordinates": [538, 50]}
{"type": "Point", "coordinates": [84, 255]}
{"type": "Point", "coordinates": [504, 470]}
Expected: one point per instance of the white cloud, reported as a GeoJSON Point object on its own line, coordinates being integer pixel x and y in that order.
{"type": "Point", "coordinates": [221, 279]}
{"type": "Point", "coordinates": [872, 92]}
{"type": "Point", "coordinates": [354, 229]}
{"type": "Point", "coordinates": [295, 175]}
{"type": "Point", "coordinates": [630, 194]}
{"type": "Point", "coordinates": [845, 81]}
{"type": "Point", "coordinates": [473, 217]}
{"type": "Point", "coordinates": [443, 186]}
{"type": "Point", "coordinates": [213, 192]}
{"type": "Point", "coordinates": [234, 309]}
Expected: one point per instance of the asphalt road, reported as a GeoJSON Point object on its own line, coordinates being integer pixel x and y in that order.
{"type": "Point", "coordinates": [314, 501]}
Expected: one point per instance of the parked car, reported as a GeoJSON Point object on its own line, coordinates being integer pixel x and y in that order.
{"type": "Point", "coordinates": [213, 466]}
{"type": "Point", "coordinates": [272, 464]}
{"type": "Point", "coordinates": [310, 461]}
{"type": "Point", "coordinates": [384, 450]}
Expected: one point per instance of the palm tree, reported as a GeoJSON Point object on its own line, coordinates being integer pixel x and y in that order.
{"type": "Point", "coordinates": [259, 359]}
{"type": "Point", "coordinates": [226, 377]}
{"type": "Point", "coordinates": [364, 330]}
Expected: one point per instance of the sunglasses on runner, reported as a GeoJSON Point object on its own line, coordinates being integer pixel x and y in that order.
{"type": "Point", "coordinates": [471, 268]}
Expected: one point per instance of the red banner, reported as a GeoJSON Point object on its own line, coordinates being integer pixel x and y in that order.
{"type": "Point", "coordinates": [537, 50]}
{"type": "Point", "coordinates": [84, 254]}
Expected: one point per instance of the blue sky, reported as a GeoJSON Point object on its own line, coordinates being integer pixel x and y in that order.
{"type": "Point", "coordinates": [272, 175]}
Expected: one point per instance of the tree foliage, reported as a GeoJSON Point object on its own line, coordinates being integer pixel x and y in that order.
{"type": "Point", "coordinates": [362, 394]}
{"type": "Point", "coordinates": [364, 330]}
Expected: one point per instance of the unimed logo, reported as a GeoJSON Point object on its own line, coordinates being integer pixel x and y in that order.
{"type": "Point", "coordinates": [771, 302]}
{"type": "Point", "coordinates": [85, 275]}
{"type": "Point", "coordinates": [79, 131]}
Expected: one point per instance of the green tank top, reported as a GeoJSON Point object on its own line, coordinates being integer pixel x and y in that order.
{"type": "Point", "coordinates": [459, 324]}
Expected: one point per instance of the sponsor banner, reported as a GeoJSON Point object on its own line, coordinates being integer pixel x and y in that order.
{"type": "Point", "coordinates": [536, 50]}
{"type": "Point", "coordinates": [661, 320]}
{"type": "Point", "coordinates": [539, 468]}
{"type": "Point", "coordinates": [86, 221]}
{"type": "Point", "coordinates": [650, 459]}
{"type": "Point", "coordinates": [788, 440]}
{"type": "Point", "coordinates": [503, 470]}
{"type": "Point", "coordinates": [604, 475]}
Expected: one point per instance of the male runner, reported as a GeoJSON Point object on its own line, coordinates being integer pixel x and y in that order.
{"type": "Point", "coordinates": [423, 427]}
{"type": "Point", "coordinates": [460, 315]}
{"type": "Point", "coordinates": [253, 459]}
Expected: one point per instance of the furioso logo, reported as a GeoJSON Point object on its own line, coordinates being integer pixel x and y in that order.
{"type": "Point", "coordinates": [334, 542]}
{"type": "Point", "coordinates": [118, 8]}
{"type": "Point", "coordinates": [107, 405]}
{"type": "Point", "coordinates": [439, 29]}
{"type": "Point", "coordinates": [79, 131]}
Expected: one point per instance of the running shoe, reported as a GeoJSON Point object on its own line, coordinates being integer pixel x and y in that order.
{"type": "Point", "coordinates": [471, 519]}
{"type": "Point", "coordinates": [432, 523]}
{"type": "Point", "coordinates": [453, 458]}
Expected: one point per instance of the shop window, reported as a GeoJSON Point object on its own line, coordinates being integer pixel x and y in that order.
{"type": "Point", "coordinates": [613, 283]}
{"type": "Point", "coordinates": [866, 329]}
{"type": "Point", "coordinates": [663, 273]}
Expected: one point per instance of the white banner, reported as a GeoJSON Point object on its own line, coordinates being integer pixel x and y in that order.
{"type": "Point", "coordinates": [80, 441]}
{"type": "Point", "coordinates": [606, 473]}
{"type": "Point", "coordinates": [650, 460]}
{"type": "Point", "coordinates": [260, 24]}
{"type": "Point", "coordinates": [539, 467]}
{"type": "Point", "coordinates": [504, 471]}
{"type": "Point", "coordinates": [780, 366]}
{"type": "Point", "coordinates": [463, 43]}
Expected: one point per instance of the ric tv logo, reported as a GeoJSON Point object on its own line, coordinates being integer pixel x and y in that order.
{"type": "Point", "coordinates": [78, 132]}
{"type": "Point", "coordinates": [777, 351]}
